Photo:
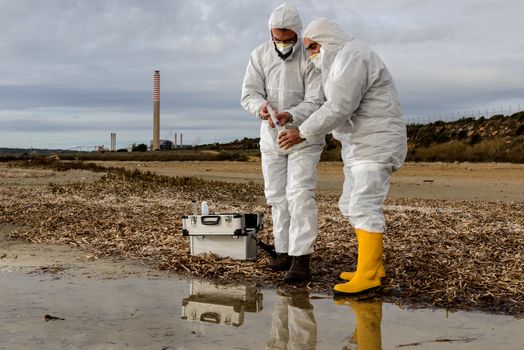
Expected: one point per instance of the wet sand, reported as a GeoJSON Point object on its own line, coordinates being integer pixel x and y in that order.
{"type": "Point", "coordinates": [107, 304]}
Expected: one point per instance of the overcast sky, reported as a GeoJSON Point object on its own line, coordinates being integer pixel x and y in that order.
{"type": "Point", "coordinates": [73, 71]}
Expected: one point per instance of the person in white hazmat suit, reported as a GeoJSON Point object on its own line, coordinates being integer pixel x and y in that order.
{"type": "Point", "coordinates": [362, 109]}
{"type": "Point", "coordinates": [279, 74]}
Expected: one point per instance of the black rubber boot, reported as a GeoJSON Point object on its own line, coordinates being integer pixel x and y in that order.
{"type": "Point", "coordinates": [299, 271]}
{"type": "Point", "coordinates": [281, 263]}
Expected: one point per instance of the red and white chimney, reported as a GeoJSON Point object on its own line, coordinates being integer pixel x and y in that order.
{"type": "Point", "coordinates": [156, 111]}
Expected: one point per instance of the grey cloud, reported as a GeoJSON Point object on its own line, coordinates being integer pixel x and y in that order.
{"type": "Point", "coordinates": [94, 59]}
{"type": "Point", "coordinates": [29, 97]}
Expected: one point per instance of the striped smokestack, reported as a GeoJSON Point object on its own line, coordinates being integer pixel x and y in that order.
{"type": "Point", "coordinates": [156, 111]}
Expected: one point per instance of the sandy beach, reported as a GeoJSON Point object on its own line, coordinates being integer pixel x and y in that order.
{"type": "Point", "coordinates": [456, 181]}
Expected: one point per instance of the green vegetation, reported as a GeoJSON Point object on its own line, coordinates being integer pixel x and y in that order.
{"type": "Point", "coordinates": [163, 156]}
{"type": "Point", "coordinates": [457, 151]}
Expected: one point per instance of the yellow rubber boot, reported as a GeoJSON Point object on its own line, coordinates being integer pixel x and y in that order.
{"type": "Point", "coordinates": [346, 275]}
{"type": "Point", "coordinates": [368, 264]}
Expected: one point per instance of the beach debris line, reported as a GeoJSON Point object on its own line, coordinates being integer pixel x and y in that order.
{"type": "Point", "coordinates": [450, 254]}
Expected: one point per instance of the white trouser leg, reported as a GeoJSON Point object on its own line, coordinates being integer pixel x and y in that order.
{"type": "Point", "coordinates": [368, 188]}
{"type": "Point", "coordinates": [300, 193]}
{"type": "Point", "coordinates": [275, 169]}
{"type": "Point", "coordinates": [343, 203]}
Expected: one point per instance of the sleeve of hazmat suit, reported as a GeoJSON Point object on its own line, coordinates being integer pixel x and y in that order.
{"type": "Point", "coordinates": [345, 88]}
{"type": "Point", "coordinates": [256, 81]}
{"type": "Point", "coordinates": [253, 88]}
{"type": "Point", "coordinates": [314, 96]}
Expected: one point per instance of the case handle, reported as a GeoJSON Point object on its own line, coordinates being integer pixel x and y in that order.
{"type": "Point", "coordinates": [210, 220]}
{"type": "Point", "coordinates": [211, 317]}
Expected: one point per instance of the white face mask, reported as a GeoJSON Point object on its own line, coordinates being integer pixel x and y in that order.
{"type": "Point", "coordinates": [316, 59]}
{"type": "Point", "coordinates": [284, 48]}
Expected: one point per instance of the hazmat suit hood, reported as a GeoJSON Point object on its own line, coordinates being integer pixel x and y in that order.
{"type": "Point", "coordinates": [286, 16]}
{"type": "Point", "coordinates": [327, 33]}
{"type": "Point", "coordinates": [331, 38]}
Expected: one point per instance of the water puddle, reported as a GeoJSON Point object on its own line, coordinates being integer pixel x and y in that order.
{"type": "Point", "coordinates": [41, 311]}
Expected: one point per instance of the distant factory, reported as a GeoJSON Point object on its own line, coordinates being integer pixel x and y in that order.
{"type": "Point", "coordinates": [166, 145]}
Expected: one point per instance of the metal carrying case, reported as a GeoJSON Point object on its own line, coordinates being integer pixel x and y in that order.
{"type": "Point", "coordinates": [226, 235]}
{"type": "Point", "coordinates": [219, 304]}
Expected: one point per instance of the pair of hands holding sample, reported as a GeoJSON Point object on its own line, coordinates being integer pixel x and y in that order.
{"type": "Point", "coordinates": [286, 137]}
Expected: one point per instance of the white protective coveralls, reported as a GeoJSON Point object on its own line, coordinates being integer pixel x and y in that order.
{"type": "Point", "coordinates": [362, 109]}
{"type": "Point", "coordinates": [291, 85]}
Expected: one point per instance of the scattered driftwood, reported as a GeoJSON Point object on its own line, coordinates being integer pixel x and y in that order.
{"type": "Point", "coordinates": [53, 318]}
{"type": "Point", "coordinates": [450, 254]}
{"type": "Point", "coordinates": [465, 340]}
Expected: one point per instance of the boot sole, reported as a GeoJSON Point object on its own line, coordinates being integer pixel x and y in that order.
{"type": "Point", "coordinates": [365, 291]}
{"type": "Point", "coordinates": [279, 269]}
{"type": "Point", "coordinates": [342, 279]}
{"type": "Point", "coordinates": [296, 280]}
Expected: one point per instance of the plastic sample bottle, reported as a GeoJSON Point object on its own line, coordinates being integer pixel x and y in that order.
{"type": "Point", "coordinates": [204, 208]}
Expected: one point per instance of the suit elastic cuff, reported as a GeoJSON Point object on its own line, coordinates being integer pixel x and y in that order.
{"type": "Point", "coordinates": [301, 135]}
{"type": "Point", "coordinates": [296, 115]}
{"type": "Point", "coordinates": [291, 118]}
{"type": "Point", "coordinates": [257, 113]}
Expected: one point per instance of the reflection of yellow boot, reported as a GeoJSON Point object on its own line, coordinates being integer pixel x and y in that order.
{"type": "Point", "coordinates": [368, 318]}
{"type": "Point", "coordinates": [368, 264]}
{"type": "Point", "coordinates": [346, 275]}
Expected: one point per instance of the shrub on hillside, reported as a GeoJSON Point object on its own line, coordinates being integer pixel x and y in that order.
{"type": "Point", "coordinates": [139, 148]}
{"type": "Point", "coordinates": [486, 151]}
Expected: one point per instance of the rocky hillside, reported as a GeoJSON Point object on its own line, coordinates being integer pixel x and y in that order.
{"type": "Point", "coordinates": [507, 129]}
{"type": "Point", "coordinates": [499, 139]}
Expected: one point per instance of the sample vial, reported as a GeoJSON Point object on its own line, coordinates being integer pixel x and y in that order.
{"type": "Point", "coordinates": [195, 207]}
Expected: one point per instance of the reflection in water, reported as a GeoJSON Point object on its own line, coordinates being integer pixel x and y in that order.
{"type": "Point", "coordinates": [293, 324]}
{"type": "Point", "coordinates": [220, 304]}
{"type": "Point", "coordinates": [368, 316]}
